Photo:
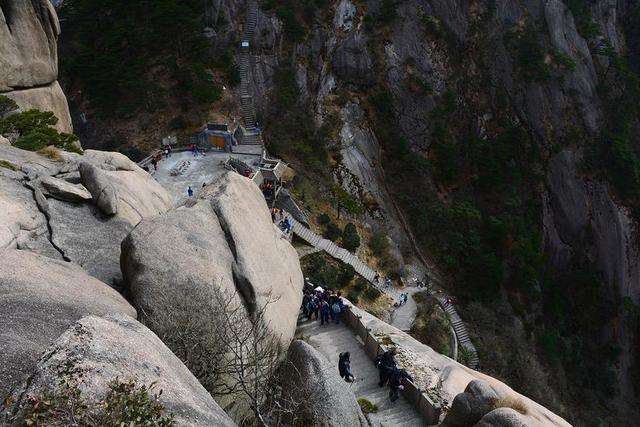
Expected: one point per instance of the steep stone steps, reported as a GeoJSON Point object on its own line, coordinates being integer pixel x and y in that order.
{"type": "Point", "coordinates": [333, 339]}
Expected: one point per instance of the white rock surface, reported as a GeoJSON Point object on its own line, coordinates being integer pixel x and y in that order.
{"type": "Point", "coordinates": [443, 378]}
{"type": "Point", "coordinates": [102, 350]}
{"type": "Point", "coordinates": [63, 190]}
{"type": "Point", "coordinates": [39, 299]}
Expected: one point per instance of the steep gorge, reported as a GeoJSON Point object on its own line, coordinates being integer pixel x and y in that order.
{"type": "Point", "coordinates": [507, 134]}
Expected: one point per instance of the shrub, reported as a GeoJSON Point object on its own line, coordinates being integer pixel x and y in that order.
{"type": "Point", "coordinates": [360, 285]}
{"type": "Point", "coordinates": [353, 296]}
{"type": "Point", "coordinates": [371, 294]}
{"type": "Point", "coordinates": [126, 404]}
{"type": "Point", "coordinates": [332, 232]}
{"type": "Point", "coordinates": [350, 237]}
{"type": "Point", "coordinates": [367, 406]}
{"type": "Point", "coordinates": [324, 219]}
{"type": "Point", "coordinates": [7, 105]}
{"type": "Point", "coordinates": [347, 273]}
{"type": "Point", "coordinates": [379, 244]}
{"type": "Point", "coordinates": [178, 123]}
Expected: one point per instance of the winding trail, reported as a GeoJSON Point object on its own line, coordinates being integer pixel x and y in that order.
{"type": "Point", "coordinates": [403, 316]}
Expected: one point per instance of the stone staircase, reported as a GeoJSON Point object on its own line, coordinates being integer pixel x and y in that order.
{"type": "Point", "coordinates": [369, 274]}
{"type": "Point", "coordinates": [335, 251]}
{"type": "Point", "coordinates": [334, 339]}
{"type": "Point", "coordinates": [246, 100]}
{"type": "Point", "coordinates": [461, 332]}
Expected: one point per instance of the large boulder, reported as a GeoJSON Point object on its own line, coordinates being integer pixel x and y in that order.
{"type": "Point", "coordinates": [102, 190]}
{"type": "Point", "coordinates": [469, 407]}
{"type": "Point", "coordinates": [29, 59]}
{"type": "Point", "coordinates": [68, 224]}
{"type": "Point", "coordinates": [102, 350]}
{"type": "Point", "coordinates": [222, 245]}
{"type": "Point", "coordinates": [28, 37]}
{"type": "Point", "coordinates": [39, 299]}
{"type": "Point", "coordinates": [324, 398]}
{"type": "Point", "coordinates": [45, 98]}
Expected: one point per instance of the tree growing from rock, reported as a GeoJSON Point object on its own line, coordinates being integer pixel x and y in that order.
{"type": "Point", "coordinates": [231, 351]}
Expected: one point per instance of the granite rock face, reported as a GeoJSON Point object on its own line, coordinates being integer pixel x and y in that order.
{"type": "Point", "coordinates": [96, 351]}
{"type": "Point", "coordinates": [52, 211]}
{"type": "Point", "coordinates": [29, 31]}
{"type": "Point", "coordinates": [223, 246]}
{"type": "Point", "coordinates": [39, 299]}
{"type": "Point", "coordinates": [330, 401]}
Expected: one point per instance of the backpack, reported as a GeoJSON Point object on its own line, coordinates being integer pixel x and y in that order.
{"type": "Point", "coordinates": [336, 308]}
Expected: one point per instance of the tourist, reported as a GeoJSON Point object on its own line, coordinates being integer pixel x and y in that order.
{"type": "Point", "coordinates": [190, 192]}
{"type": "Point", "coordinates": [395, 382]}
{"type": "Point", "coordinates": [338, 308]}
{"type": "Point", "coordinates": [287, 225]}
{"type": "Point", "coordinates": [385, 363]}
{"type": "Point", "coordinates": [388, 282]}
{"type": "Point", "coordinates": [305, 304]}
{"type": "Point", "coordinates": [344, 367]}
{"type": "Point", "coordinates": [154, 162]}
{"type": "Point", "coordinates": [324, 312]}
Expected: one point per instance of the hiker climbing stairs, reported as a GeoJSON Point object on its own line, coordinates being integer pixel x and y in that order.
{"type": "Point", "coordinates": [334, 339]}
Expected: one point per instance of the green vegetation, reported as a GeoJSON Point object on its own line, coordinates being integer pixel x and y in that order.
{"type": "Point", "coordinates": [350, 238]}
{"type": "Point", "coordinates": [296, 15]}
{"type": "Point", "coordinates": [33, 128]}
{"type": "Point", "coordinates": [530, 57]}
{"type": "Point", "coordinates": [583, 18]}
{"type": "Point", "coordinates": [432, 326]}
{"type": "Point", "coordinates": [290, 131]}
{"type": "Point", "coordinates": [126, 404]}
{"type": "Point", "coordinates": [127, 56]}
{"type": "Point", "coordinates": [614, 155]}
{"type": "Point", "coordinates": [332, 274]}
{"type": "Point", "coordinates": [366, 406]}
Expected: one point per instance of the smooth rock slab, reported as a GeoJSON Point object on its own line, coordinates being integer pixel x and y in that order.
{"type": "Point", "coordinates": [63, 190]}
{"type": "Point", "coordinates": [119, 347]}
{"type": "Point", "coordinates": [330, 401]}
{"type": "Point", "coordinates": [39, 299]}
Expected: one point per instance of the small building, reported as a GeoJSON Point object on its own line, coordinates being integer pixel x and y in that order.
{"type": "Point", "coordinates": [216, 136]}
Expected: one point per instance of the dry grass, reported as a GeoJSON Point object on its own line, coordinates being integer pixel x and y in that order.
{"type": "Point", "coordinates": [51, 152]}
{"type": "Point", "coordinates": [8, 165]}
{"type": "Point", "coordinates": [510, 402]}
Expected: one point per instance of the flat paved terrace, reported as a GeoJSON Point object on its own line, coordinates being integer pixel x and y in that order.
{"type": "Point", "coordinates": [194, 171]}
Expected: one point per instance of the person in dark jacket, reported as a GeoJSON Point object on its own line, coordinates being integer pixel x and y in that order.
{"type": "Point", "coordinates": [324, 312]}
{"type": "Point", "coordinates": [344, 367]}
{"type": "Point", "coordinates": [395, 382]}
{"type": "Point", "coordinates": [386, 363]}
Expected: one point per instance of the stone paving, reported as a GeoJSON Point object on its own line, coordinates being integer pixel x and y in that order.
{"type": "Point", "coordinates": [331, 340]}
{"type": "Point", "coordinates": [199, 170]}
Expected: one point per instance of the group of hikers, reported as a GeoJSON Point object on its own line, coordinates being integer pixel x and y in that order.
{"type": "Point", "coordinates": [328, 307]}
{"type": "Point", "coordinates": [402, 300]}
{"type": "Point", "coordinates": [282, 220]}
{"type": "Point", "coordinates": [390, 373]}
{"type": "Point", "coordinates": [323, 304]}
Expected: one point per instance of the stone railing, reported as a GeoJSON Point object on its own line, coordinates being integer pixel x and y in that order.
{"type": "Point", "coordinates": [373, 347]}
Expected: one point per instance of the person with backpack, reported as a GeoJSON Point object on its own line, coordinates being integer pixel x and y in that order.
{"type": "Point", "coordinates": [324, 312]}
{"type": "Point", "coordinates": [311, 306]}
{"type": "Point", "coordinates": [344, 367]}
{"type": "Point", "coordinates": [395, 382]}
{"type": "Point", "coordinates": [337, 308]}
{"type": "Point", "coordinates": [386, 364]}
